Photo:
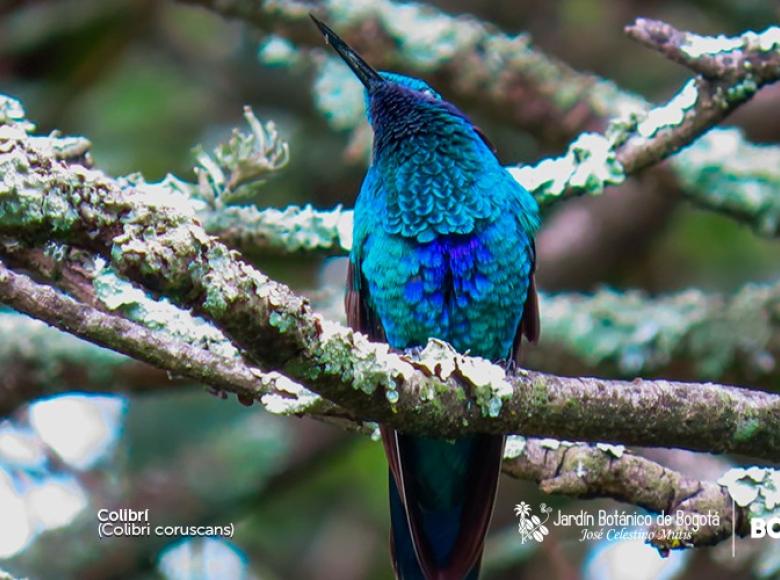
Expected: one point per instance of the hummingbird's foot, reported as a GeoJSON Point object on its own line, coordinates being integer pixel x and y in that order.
{"type": "Point", "coordinates": [413, 351]}
{"type": "Point", "coordinates": [512, 367]}
{"type": "Point", "coordinates": [219, 393]}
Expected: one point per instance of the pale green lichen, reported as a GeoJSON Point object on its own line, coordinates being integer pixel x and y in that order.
{"type": "Point", "coordinates": [488, 382]}
{"type": "Point", "coordinates": [624, 329]}
{"type": "Point", "coordinates": [371, 364]}
{"type": "Point", "coordinates": [742, 329]}
{"type": "Point", "coordinates": [290, 229]}
{"type": "Point", "coordinates": [424, 36]}
{"type": "Point", "coordinates": [765, 41]}
{"type": "Point", "coordinates": [589, 165]}
{"type": "Point", "coordinates": [30, 197]}
{"type": "Point", "coordinates": [437, 358]}
{"type": "Point", "coordinates": [670, 114]}
{"type": "Point", "coordinates": [117, 294]}
{"type": "Point", "coordinates": [338, 94]}
{"type": "Point", "coordinates": [428, 37]}
{"type": "Point", "coordinates": [219, 296]}
{"type": "Point", "coordinates": [278, 51]}
{"type": "Point", "coordinates": [143, 244]}
{"type": "Point", "coordinates": [235, 169]}
{"type": "Point", "coordinates": [755, 487]}
{"type": "Point", "coordinates": [722, 170]}
{"type": "Point", "coordinates": [515, 446]}
{"type": "Point", "coordinates": [740, 91]}
{"type": "Point", "coordinates": [286, 397]}
{"type": "Point", "coordinates": [168, 193]}
{"type": "Point", "coordinates": [12, 113]}
{"type": "Point", "coordinates": [554, 444]}
{"type": "Point", "coordinates": [282, 321]}
{"type": "Point", "coordinates": [615, 451]}
{"type": "Point", "coordinates": [747, 429]}
{"type": "Point", "coordinates": [66, 147]}
{"type": "Point", "coordinates": [697, 46]}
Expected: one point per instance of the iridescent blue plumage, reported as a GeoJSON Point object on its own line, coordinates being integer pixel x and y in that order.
{"type": "Point", "coordinates": [442, 247]}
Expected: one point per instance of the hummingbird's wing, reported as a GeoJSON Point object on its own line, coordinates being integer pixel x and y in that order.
{"type": "Point", "coordinates": [360, 315]}
{"type": "Point", "coordinates": [529, 326]}
{"type": "Point", "coordinates": [485, 140]}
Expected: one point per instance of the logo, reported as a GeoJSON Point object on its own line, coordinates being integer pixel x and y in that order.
{"type": "Point", "coordinates": [760, 527]}
{"type": "Point", "coordinates": [531, 527]}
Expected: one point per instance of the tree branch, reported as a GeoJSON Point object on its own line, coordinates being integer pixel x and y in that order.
{"type": "Point", "coordinates": [219, 372]}
{"type": "Point", "coordinates": [277, 329]}
{"type": "Point", "coordinates": [734, 69]}
{"type": "Point", "coordinates": [577, 470]}
{"type": "Point", "coordinates": [293, 229]}
{"type": "Point", "coordinates": [713, 58]}
{"type": "Point", "coordinates": [41, 362]}
{"type": "Point", "coordinates": [692, 334]}
{"type": "Point", "coordinates": [124, 336]}
{"type": "Point", "coordinates": [723, 172]}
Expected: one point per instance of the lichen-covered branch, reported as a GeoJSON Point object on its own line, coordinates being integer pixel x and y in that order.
{"type": "Point", "coordinates": [693, 334]}
{"type": "Point", "coordinates": [156, 348]}
{"type": "Point", "coordinates": [293, 229]}
{"type": "Point", "coordinates": [718, 58]}
{"type": "Point", "coordinates": [578, 470]}
{"type": "Point", "coordinates": [119, 334]}
{"type": "Point", "coordinates": [155, 240]}
{"type": "Point", "coordinates": [744, 65]}
{"type": "Point", "coordinates": [725, 173]}
{"type": "Point", "coordinates": [37, 361]}
{"type": "Point", "coordinates": [637, 141]}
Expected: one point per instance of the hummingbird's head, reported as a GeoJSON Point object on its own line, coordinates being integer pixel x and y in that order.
{"type": "Point", "coordinates": [398, 106]}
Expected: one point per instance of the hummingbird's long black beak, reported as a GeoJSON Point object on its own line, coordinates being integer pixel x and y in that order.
{"type": "Point", "coordinates": [367, 75]}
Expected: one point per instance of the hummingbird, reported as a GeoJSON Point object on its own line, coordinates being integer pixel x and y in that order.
{"type": "Point", "coordinates": [443, 247]}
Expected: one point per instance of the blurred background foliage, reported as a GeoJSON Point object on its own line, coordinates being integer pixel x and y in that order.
{"type": "Point", "coordinates": [147, 81]}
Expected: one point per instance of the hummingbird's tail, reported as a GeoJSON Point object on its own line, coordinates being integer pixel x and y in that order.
{"type": "Point", "coordinates": [441, 500]}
